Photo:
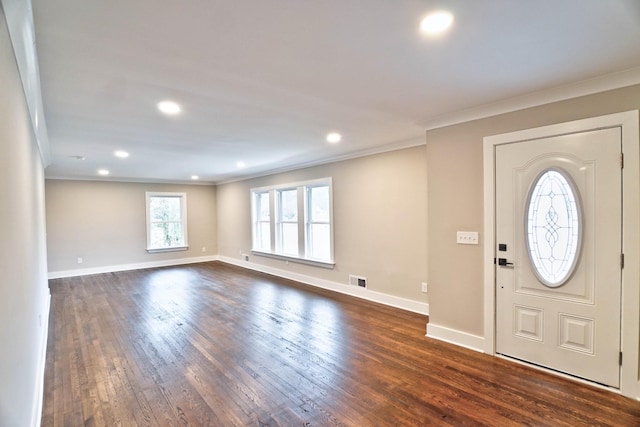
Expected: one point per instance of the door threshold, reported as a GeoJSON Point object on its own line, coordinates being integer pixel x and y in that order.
{"type": "Point", "coordinates": [559, 373]}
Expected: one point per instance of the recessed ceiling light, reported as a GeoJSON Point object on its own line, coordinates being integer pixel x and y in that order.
{"type": "Point", "coordinates": [120, 153]}
{"type": "Point", "coordinates": [436, 22]}
{"type": "Point", "coordinates": [169, 107]}
{"type": "Point", "coordinates": [241, 165]}
{"type": "Point", "coordinates": [103, 172]}
{"type": "Point", "coordinates": [195, 177]}
{"type": "Point", "coordinates": [334, 138]}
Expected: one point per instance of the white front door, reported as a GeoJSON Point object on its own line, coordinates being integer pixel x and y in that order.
{"type": "Point", "coordinates": [558, 238]}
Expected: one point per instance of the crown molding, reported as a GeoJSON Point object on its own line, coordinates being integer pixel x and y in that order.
{"type": "Point", "coordinates": [604, 83]}
{"type": "Point", "coordinates": [400, 145]}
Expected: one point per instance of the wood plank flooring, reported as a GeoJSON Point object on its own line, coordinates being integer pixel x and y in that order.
{"type": "Point", "coordinates": [214, 345]}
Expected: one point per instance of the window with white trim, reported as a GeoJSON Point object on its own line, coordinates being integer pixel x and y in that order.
{"type": "Point", "coordinates": [262, 227]}
{"type": "Point", "coordinates": [318, 225]}
{"type": "Point", "coordinates": [294, 222]}
{"type": "Point", "coordinates": [287, 222]}
{"type": "Point", "coordinates": [166, 222]}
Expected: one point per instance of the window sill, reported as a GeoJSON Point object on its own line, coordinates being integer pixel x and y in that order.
{"type": "Point", "coordinates": [315, 263]}
{"type": "Point", "coordinates": [171, 249]}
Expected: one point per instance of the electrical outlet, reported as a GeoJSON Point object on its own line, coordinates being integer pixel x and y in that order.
{"type": "Point", "coordinates": [424, 287]}
{"type": "Point", "coordinates": [79, 260]}
{"type": "Point", "coordinates": [467, 237]}
{"type": "Point", "coordinates": [204, 249]}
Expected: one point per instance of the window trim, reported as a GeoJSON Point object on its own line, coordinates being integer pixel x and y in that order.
{"type": "Point", "coordinates": [302, 221]}
{"type": "Point", "coordinates": [183, 220]}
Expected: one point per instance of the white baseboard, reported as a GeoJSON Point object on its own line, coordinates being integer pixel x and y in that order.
{"type": "Point", "coordinates": [36, 411]}
{"type": "Point", "coordinates": [453, 336]}
{"type": "Point", "coordinates": [125, 267]}
{"type": "Point", "coordinates": [386, 299]}
{"type": "Point", "coordinates": [379, 297]}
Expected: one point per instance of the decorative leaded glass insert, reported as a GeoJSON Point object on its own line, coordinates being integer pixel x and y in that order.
{"type": "Point", "coordinates": [553, 227]}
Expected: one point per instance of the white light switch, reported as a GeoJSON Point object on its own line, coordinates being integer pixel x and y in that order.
{"type": "Point", "coordinates": [467, 237]}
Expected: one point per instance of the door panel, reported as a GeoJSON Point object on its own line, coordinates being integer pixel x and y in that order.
{"type": "Point", "coordinates": [573, 327]}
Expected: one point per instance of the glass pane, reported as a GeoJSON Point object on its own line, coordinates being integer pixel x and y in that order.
{"type": "Point", "coordinates": [289, 239]}
{"type": "Point", "coordinates": [263, 239]}
{"type": "Point", "coordinates": [263, 206]}
{"type": "Point", "coordinates": [166, 234]}
{"type": "Point", "coordinates": [320, 244]}
{"type": "Point", "coordinates": [319, 204]}
{"type": "Point", "coordinates": [289, 205]}
{"type": "Point", "coordinates": [164, 208]}
{"type": "Point", "coordinates": [553, 228]}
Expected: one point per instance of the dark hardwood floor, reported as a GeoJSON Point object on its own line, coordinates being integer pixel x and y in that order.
{"type": "Point", "coordinates": [212, 344]}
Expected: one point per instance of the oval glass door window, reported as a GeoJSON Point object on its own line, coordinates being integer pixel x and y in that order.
{"type": "Point", "coordinates": [553, 227]}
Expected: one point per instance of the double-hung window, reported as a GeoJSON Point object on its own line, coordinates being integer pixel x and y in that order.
{"type": "Point", "coordinates": [294, 222]}
{"type": "Point", "coordinates": [262, 224]}
{"type": "Point", "coordinates": [287, 225]}
{"type": "Point", "coordinates": [166, 222]}
{"type": "Point", "coordinates": [318, 224]}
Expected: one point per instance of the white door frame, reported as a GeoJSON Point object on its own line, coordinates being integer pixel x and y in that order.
{"type": "Point", "coordinates": [630, 330]}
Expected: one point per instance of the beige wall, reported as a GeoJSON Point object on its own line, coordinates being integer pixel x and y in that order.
{"type": "Point", "coordinates": [24, 294]}
{"type": "Point", "coordinates": [384, 227]}
{"type": "Point", "coordinates": [455, 179]}
{"type": "Point", "coordinates": [105, 224]}
{"type": "Point", "coordinates": [379, 217]}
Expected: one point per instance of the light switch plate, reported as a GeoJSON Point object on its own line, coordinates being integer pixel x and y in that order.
{"type": "Point", "coordinates": [467, 237]}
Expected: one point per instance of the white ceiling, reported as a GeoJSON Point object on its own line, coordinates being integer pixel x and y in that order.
{"type": "Point", "coordinates": [263, 81]}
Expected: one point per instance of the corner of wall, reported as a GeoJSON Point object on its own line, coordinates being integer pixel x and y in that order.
{"type": "Point", "coordinates": [36, 412]}
{"type": "Point", "coordinates": [453, 336]}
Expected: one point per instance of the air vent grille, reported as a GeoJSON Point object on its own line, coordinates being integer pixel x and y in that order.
{"type": "Point", "coordinates": [357, 281]}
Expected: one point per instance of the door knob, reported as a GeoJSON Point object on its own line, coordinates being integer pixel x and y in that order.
{"type": "Point", "coordinates": [504, 263]}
